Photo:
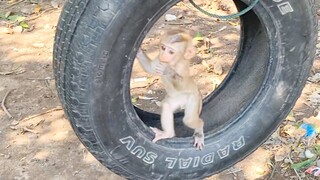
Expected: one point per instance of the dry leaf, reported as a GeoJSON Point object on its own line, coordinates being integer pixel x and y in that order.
{"type": "Point", "coordinates": [314, 98]}
{"type": "Point", "coordinates": [291, 117]}
{"type": "Point", "coordinates": [281, 154]}
{"type": "Point", "coordinates": [289, 129]}
{"type": "Point", "coordinates": [312, 120]}
{"type": "Point", "coordinates": [234, 23]}
{"type": "Point", "coordinates": [207, 66]}
{"type": "Point", "coordinates": [7, 14]}
{"type": "Point", "coordinates": [37, 8]}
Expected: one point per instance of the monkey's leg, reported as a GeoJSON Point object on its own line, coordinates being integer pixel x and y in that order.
{"type": "Point", "coordinates": [169, 105]}
{"type": "Point", "coordinates": [192, 120]}
{"type": "Point", "coordinates": [199, 136]}
{"type": "Point", "coordinates": [196, 123]}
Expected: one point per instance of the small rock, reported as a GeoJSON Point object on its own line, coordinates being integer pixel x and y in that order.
{"type": "Point", "coordinates": [14, 123]}
{"type": "Point", "coordinates": [75, 173]}
{"type": "Point", "coordinates": [308, 154]}
{"type": "Point", "coordinates": [314, 98]}
{"type": "Point", "coordinates": [17, 29]}
{"type": "Point", "coordinates": [55, 4]}
{"type": "Point", "coordinates": [302, 155]}
{"type": "Point", "coordinates": [287, 160]}
{"type": "Point", "coordinates": [217, 69]}
{"type": "Point", "coordinates": [26, 10]}
{"type": "Point", "coordinates": [170, 17]}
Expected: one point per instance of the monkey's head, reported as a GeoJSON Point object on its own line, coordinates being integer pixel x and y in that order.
{"type": "Point", "coordinates": [176, 45]}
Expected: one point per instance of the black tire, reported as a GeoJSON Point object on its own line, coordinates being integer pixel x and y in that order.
{"type": "Point", "coordinates": [276, 52]}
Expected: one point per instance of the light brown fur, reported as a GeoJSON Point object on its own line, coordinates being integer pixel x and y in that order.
{"type": "Point", "coordinates": [172, 65]}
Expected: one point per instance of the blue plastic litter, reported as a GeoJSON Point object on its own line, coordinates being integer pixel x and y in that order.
{"type": "Point", "coordinates": [310, 130]}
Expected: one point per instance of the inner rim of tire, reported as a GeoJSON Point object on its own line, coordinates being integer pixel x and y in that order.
{"type": "Point", "coordinates": [236, 93]}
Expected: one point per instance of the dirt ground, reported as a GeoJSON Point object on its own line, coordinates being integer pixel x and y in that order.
{"type": "Point", "coordinates": [38, 142]}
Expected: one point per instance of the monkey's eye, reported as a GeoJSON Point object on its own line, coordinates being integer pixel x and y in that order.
{"type": "Point", "coordinates": [171, 52]}
{"type": "Point", "coordinates": [163, 48]}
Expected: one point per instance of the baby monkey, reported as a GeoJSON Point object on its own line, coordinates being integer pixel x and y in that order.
{"type": "Point", "coordinates": [172, 64]}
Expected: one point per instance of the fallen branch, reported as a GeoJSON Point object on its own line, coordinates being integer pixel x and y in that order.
{"type": "Point", "coordinates": [3, 105]}
{"type": "Point", "coordinates": [6, 73]}
{"type": "Point", "coordinates": [36, 17]}
{"type": "Point", "coordinates": [178, 23]}
{"type": "Point", "coordinates": [9, 72]}
{"type": "Point", "coordinates": [44, 79]}
{"type": "Point", "coordinates": [150, 83]}
{"type": "Point", "coordinates": [25, 129]}
{"type": "Point", "coordinates": [13, 4]}
{"type": "Point", "coordinates": [43, 113]}
{"type": "Point", "coordinates": [291, 162]}
{"type": "Point", "coordinates": [233, 171]}
{"type": "Point", "coordinates": [273, 170]}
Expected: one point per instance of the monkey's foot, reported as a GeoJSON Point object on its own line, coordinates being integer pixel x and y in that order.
{"type": "Point", "coordinates": [198, 141]}
{"type": "Point", "coordinates": [160, 134]}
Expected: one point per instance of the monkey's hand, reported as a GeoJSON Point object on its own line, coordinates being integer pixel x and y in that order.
{"type": "Point", "coordinates": [159, 68]}
{"type": "Point", "coordinates": [172, 73]}
{"type": "Point", "coordinates": [198, 141]}
{"type": "Point", "coordinates": [160, 134]}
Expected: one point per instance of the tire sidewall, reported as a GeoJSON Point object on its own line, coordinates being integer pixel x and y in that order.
{"type": "Point", "coordinates": [126, 141]}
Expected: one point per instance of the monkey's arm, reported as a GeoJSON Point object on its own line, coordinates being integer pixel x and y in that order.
{"type": "Point", "coordinates": [144, 61]}
{"type": "Point", "coordinates": [152, 67]}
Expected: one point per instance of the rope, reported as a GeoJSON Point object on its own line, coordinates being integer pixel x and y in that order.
{"type": "Point", "coordinates": [227, 17]}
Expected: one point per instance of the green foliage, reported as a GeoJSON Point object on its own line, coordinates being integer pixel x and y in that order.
{"type": "Point", "coordinates": [134, 100]}
{"type": "Point", "coordinates": [303, 164]}
{"type": "Point", "coordinates": [14, 18]}
{"type": "Point", "coordinates": [198, 37]}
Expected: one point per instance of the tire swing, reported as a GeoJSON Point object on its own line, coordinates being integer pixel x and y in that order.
{"type": "Point", "coordinates": [277, 48]}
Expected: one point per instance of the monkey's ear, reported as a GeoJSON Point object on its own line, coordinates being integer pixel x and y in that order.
{"type": "Point", "coordinates": [190, 52]}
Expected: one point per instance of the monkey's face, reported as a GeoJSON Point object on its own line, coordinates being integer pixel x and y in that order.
{"type": "Point", "coordinates": [170, 54]}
